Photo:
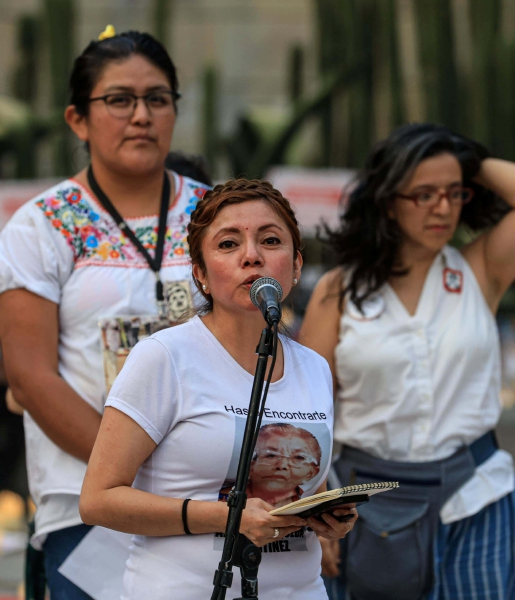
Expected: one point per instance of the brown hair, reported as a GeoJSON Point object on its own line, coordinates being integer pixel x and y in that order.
{"type": "Point", "coordinates": [236, 191]}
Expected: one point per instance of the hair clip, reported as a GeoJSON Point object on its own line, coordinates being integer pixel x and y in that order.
{"type": "Point", "coordinates": [108, 32]}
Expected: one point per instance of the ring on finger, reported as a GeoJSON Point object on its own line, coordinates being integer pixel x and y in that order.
{"type": "Point", "coordinates": [276, 532]}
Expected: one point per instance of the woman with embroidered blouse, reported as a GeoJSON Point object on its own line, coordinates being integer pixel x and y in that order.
{"type": "Point", "coordinates": [107, 245]}
{"type": "Point", "coordinates": [407, 323]}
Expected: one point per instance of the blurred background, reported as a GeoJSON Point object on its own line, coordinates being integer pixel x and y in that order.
{"type": "Point", "coordinates": [293, 90]}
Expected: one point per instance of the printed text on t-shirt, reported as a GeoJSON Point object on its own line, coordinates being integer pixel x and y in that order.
{"type": "Point", "coordinates": [274, 414]}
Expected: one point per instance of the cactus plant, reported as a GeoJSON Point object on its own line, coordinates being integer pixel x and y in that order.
{"type": "Point", "coordinates": [209, 123]}
{"type": "Point", "coordinates": [162, 11]}
{"type": "Point", "coordinates": [296, 79]}
{"type": "Point", "coordinates": [380, 62]}
{"type": "Point", "coordinates": [24, 80]}
{"type": "Point", "coordinates": [60, 19]}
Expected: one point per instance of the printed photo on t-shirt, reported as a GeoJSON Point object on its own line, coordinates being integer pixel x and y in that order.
{"type": "Point", "coordinates": [178, 298]}
{"type": "Point", "coordinates": [289, 463]}
{"type": "Point", "coordinates": [121, 333]}
{"type": "Point", "coordinates": [119, 336]}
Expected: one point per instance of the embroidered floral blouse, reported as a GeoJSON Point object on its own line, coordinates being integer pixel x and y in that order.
{"type": "Point", "coordinates": [65, 247]}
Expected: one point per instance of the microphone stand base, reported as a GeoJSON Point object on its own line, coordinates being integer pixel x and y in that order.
{"type": "Point", "coordinates": [247, 556]}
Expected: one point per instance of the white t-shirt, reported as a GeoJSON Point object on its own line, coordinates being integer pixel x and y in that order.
{"type": "Point", "coordinates": [187, 392]}
{"type": "Point", "coordinates": [65, 247]}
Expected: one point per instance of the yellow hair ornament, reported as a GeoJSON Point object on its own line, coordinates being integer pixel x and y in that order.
{"type": "Point", "coordinates": [108, 32]}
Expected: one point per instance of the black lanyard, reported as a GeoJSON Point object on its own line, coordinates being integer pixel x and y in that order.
{"type": "Point", "coordinates": [153, 263]}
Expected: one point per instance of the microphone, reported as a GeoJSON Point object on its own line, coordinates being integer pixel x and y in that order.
{"type": "Point", "coordinates": [266, 294]}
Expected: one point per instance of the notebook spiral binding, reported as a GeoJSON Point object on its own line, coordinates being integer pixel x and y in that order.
{"type": "Point", "coordinates": [365, 487]}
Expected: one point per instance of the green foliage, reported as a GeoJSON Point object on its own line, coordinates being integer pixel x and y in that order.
{"type": "Point", "coordinates": [21, 139]}
{"type": "Point", "coordinates": [210, 136]}
{"type": "Point", "coordinates": [24, 80]}
{"type": "Point", "coordinates": [60, 36]}
{"type": "Point", "coordinates": [59, 21]}
{"type": "Point", "coordinates": [296, 76]}
{"type": "Point", "coordinates": [436, 51]}
{"type": "Point", "coordinates": [465, 63]}
{"type": "Point", "coordinates": [162, 10]}
{"type": "Point", "coordinates": [463, 50]}
{"type": "Point", "coordinates": [19, 129]}
{"type": "Point", "coordinates": [251, 152]}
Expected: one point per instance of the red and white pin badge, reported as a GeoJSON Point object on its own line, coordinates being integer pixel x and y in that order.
{"type": "Point", "coordinates": [453, 280]}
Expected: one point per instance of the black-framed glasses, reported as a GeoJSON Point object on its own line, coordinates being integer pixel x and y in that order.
{"type": "Point", "coordinates": [122, 105]}
{"type": "Point", "coordinates": [431, 196]}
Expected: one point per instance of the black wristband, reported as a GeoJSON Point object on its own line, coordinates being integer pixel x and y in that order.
{"type": "Point", "coordinates": [185, 516]}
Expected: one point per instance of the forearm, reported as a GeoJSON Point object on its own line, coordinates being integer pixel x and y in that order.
{"type": "Point", "coordinates": [29, 333]}
{"type": "Point", "coordinates": [499, 176]}
{"type": "Point", "coordinates": [133, 511]}
{"type": "Point", "coordinates": [68, 420]}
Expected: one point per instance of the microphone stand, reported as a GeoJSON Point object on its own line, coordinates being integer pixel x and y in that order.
{"type": "Point", "coordinates": [239, 550]}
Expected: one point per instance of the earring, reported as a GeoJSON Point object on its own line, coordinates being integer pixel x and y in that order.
{"type": "Point", "coordinates": [204, 287]}
{"type": "Point", "coordinates": [295, 281]}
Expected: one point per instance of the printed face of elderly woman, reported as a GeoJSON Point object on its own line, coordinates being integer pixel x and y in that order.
{"type": "Point", "coordinates": [285, 458]}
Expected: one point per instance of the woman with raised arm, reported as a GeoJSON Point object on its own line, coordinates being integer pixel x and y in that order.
{"type": "Point", "coordinates": [106, 245]}
{"type": "Point", "coordinates": [407, 323]}
{"type": "Point", "coordinates": [172, 429]}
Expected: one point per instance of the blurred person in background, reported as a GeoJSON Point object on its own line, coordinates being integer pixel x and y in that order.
{"type": "Point", "coordinates": [102, 245]}
{"type": "Point", "coordinates": [189, 165]}
{"type": "Point", "coordinates": [407, 323]}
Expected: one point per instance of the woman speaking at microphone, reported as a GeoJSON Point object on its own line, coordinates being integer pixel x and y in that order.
{"type": "Point", "coordinates": [172, 428]}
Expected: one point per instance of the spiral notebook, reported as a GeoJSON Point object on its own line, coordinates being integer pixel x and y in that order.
{"type": "Point", "coordinates": [319, 503]}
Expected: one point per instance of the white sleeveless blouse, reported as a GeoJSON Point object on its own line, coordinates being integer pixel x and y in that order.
{"type": "Point", "coordinates": [416, 388]}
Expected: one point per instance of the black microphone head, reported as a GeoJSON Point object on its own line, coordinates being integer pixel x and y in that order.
{"type": "Point", "coordinates": [259, 284]}
{"type": "Point", "coordinates": [266, 294]}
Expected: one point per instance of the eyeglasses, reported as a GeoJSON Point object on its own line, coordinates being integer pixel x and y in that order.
{"type": "Point", "coordinates": [299, 459]}
{"type": "Point", "coordinates": [123, 105]}
{"type": "Point", "coordinates": [431, 196]}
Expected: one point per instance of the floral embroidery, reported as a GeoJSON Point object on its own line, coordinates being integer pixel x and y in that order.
{"type": "Point", "coordinates": [73, 197]}
{"type": "Point", "coordinates": [96, 239]}
{"type": "Point", "coordinates": [198, 194]}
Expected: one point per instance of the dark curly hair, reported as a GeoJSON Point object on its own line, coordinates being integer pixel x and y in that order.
{"type": "Point", "coordinates": [367, 242]}
{"type": "Point", "coordinates": [88, 67]}
{"type": "Point", "coordinates": [235, 191]}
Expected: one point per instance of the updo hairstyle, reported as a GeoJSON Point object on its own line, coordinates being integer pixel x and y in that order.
{"type": "Point", "coordinates": [88, 67]}
{"type": "Point", "coordinates": [236, 191]}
